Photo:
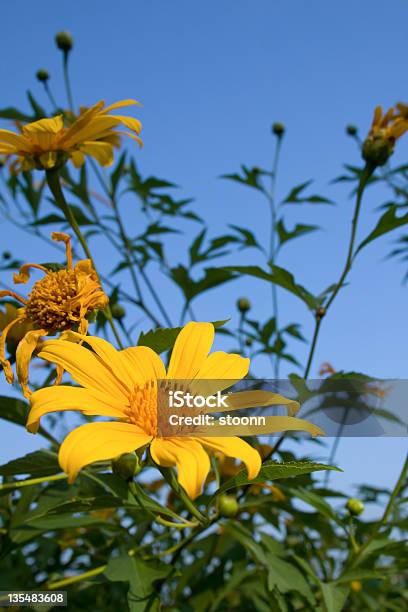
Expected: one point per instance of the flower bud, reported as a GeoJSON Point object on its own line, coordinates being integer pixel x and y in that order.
{"type": "Point", "coordinates": [355, 506]}
{"type": "Point", "coordinates": [377, 150]}
{"type": "Point", "coordinates": [126, 466]}
{"type": "Point", "coordinates": [118, 312]}
{"type": "Point", "coordinates": [278, 129]}
{"type": "Point", "coordinates": [356, 585]}
{"type": "Point", "coordinates": [351, 130]}
{"type": "Point", "coordinates": [248, 342]}
{"type": "Point", "coordinates": [227, 505]}
{"type": "Point", "coordinates": [64, 41]}
{"type": "Point", "coordinates": [6, 255]}
{"type": "Point", "coordinates": [42, 75]}
{"type": "Point", "coordinates": [243, 305]}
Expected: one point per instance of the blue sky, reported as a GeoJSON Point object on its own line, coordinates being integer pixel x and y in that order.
{"type": "Point", "coordinates": [212, 77]}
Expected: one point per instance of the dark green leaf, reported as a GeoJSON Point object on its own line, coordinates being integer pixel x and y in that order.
{"type": "Point", "coordinates": [387, 223]}
{"type": "Point", "coordinates": [39, 463]}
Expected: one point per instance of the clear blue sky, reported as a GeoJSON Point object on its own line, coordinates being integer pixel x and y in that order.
{"type": "Point", "coordinates": [212, 77]}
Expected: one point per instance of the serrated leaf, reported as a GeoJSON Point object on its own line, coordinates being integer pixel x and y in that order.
{"type": "Point", "coordinates": [163, 338]}
{"type": "Point", "coordinates": [273, 470]}
{"type": "Point", "coordinates": [39, 463]}
{"type": "Point", "coordinates": [387, 223]}
{"type": "Point", "coordinates": [15, 411]}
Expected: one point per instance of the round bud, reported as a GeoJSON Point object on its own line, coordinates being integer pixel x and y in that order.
{"type": "Point", "coordinates": [248, 342]}
{"type": "Point", "coordinates": [356, 586]}
{"type": "Point", "coordinates": [243, 305]}
{"type": "Point", "coordinates": [64, 41]}
{"type": "Point", "coordinates": [377, 150]}
{"type": "Point", "coordinates": [118, 312]}
{"type": "Point", "coordinates": [351, 130]}
{"type": "Point", "coordinates": [126, 466]}
{"type": "Point", "coordinates": [278, 129]}
{"type": "Point", "coordinates": [320, 312]}
{"type": "Point", "coordinates": [6, 255]}
{"type": "Point", "coordinates": [42, 75]}
{"type": "Point", "coordinates": [227, 505]}
{"type": "Point", "coordinates": [355, 506]}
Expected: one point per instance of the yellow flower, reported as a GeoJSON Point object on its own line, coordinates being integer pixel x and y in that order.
{"type": "Point", "coordinates": [125, 385]}
{"type": "Point", "coordinates": [384, 132]}
{"type": "Point", "coordinates": [48, 143]}
{"type": "Point", "coordinates": [59, 301]}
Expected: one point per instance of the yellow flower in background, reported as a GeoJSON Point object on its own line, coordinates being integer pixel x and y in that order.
{"type": "Point", "coordinates": [48, 143]}
{"type": "Point", "coordinates": [124, 385]}
{"type": "Point", "coordinates": [18, 331]}
{"type": "Point", "coordinates": [384, 132]}
{"type": "Point", "coordinates": [59, 301]}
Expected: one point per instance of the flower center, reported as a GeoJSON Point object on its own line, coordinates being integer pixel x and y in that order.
{"type": "Point", "coordinates": [142, 409]}
{"type": "Point", "coordinates": [49, 301]}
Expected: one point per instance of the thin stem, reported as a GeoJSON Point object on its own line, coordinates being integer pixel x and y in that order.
{"type": "Point", "coordinates": [17, 484]}
{"type": "Point", "coordinates": [57, 584]}
{"type": "Point", "coordinates": [272, 241]}
{"type": "Point", "coordinates": [131, 260]}
{"type": "Point", "coordinates": [388, 509]}
{"type": "Point", "coordinates": [50, 96]}
{"type": "Point", "coordinates": [55, 187]}
{"type": "Point", "coordinates": [67, 81]}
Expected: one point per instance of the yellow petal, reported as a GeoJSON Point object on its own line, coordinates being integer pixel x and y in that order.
{"type": "Point", "coordinates": [51, 126]}
{"type": "Point", "coordinates": [110, 357]}
{"type": "Point", "coordinates": [57, 399]}
{"type": "Point", "coordinates": [24, 352]}
{"type": "Point", "coordinates": [256, 399]}
{"type": "Point", "coordinates": [92, 130]}
{"type": "Point", "coordinates": [83, 119]}
{"type": "Point", "coordinates": [193, 463]}
{"type": "Point", "coordinates": [98, 442]}
{"type": "Point", "coordinates": [78, 159]}
{"type": "Point", "coordinates": [237, 448]}
{"type": "Point", "coordinates": [190, 350]}
{"type": "Point", "coordinates": [121, 104]}
{"type": "Point", "coordinates": [14, 140]}
{"type": "Point", "coordinates": [130, 122]}
{"type": "Point", "coordinates": [143, 364]}
{"type": "Point", "coordinates": [101, 151]}
{"type": "Point", "coordinates": [84, 366]}
{"type": "Point", "coordinates": [273, 424]}
{"type": "Point", "coordinates": [219, 367]}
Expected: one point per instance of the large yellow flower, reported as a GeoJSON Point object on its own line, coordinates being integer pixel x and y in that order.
{"type": "Point", "coordinates": [59, 301]}
{"type": "Point", "coordinates": [124, 385]}
{"type": "Point", "coordinates": [48, 143]}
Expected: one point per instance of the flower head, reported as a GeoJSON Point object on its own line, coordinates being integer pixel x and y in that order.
{"type": "Point", "coordinates": [59, 301]}
{"type": "Point", "coordinates": [125, 385]}
{"type": "Point", "coordinates": [49, 143]}
{"type": "Point", "coordinates": [384, 132]}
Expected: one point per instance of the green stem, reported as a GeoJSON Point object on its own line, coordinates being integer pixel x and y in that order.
{"type": "Point", "coordinates": [57, 584]}
{"type": "Point", "coordinates": [398, 486]}
{"type": "Point", "coordinates": [67, 81]}
{"type": "Point", "coordinates": [55, 187]}
{"type": "Point", "coordinates": [50, 96]}
{"type": "Point", "coordinates": [31, 481]}
{"type": "Point", "coordinates": [272, 242]}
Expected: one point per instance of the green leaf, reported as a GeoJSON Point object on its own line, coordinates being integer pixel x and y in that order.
{"type": "Point", "coordinates": [272, 470]}
{"type": "Point", "coordinates": [39, 463]}
{"type": "Point", "coordinates": [299, 230]}
{"type": "Point", "coordinates": [142, 577]}
{"type": "Point", "coordinates": [334, 596]}
{"type": "Point", "coordinates": [286, 577]}
{"type": "Point", "coordinates": [249, 177]}
{"type": "Point", "coordinates": [14, 114]}
{"type": "Point", "coordinates": [316, 501]}
{"type": "Point", "coordinates": [387, 223]}
{"type": "Point", "coordinates": [281, 277]}
{"type": "Point", "coordinates": [212, 277]}
{"type": "Point", "coordinates": [294, 196]}
{"type": "Point", "coordinates": [15, 411]}
{"type": "Point", "coordinates": [39, 112]}
{"type": "Point", "coordinates": [163, 338]}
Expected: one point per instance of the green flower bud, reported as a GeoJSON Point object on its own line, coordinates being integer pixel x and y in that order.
{"type": "Point", "coordinates": [248, 342]}
{"type": "Point", "coordinates": [6, 255]}
{"type": "Point", "coordinates": [243, 305]}
{"type": "Point", "coordinates": [42, 75]}
{"type": "Point", "coordinates": [377, 150]}
{"type": "Point", "coordinates": [64, 41]}
{"type": "Point", "coordinates": [126, 466]}
{"type": "Point", "coordinates": [228, 505]}
{"type": "Point", "coordinates": [278, 129]}
{"type": "Point", "coordinates": [351, 130]}
{"type": "Point", "coordinates": [118, 312]}
{"type": "Point", "coordinates": [355, 506]}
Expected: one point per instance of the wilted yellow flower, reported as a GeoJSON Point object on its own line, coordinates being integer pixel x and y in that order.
{"type": "Point", "coordinates": [125, 385]}
{"type": "Point", "coordinates": [48, 143]}
{"type": "Point", "coordinates": [18, 331]}
{"type": "Point", "coordinates": [61, 300]}
{"type": "Point", "coordinates": [384, 132]}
